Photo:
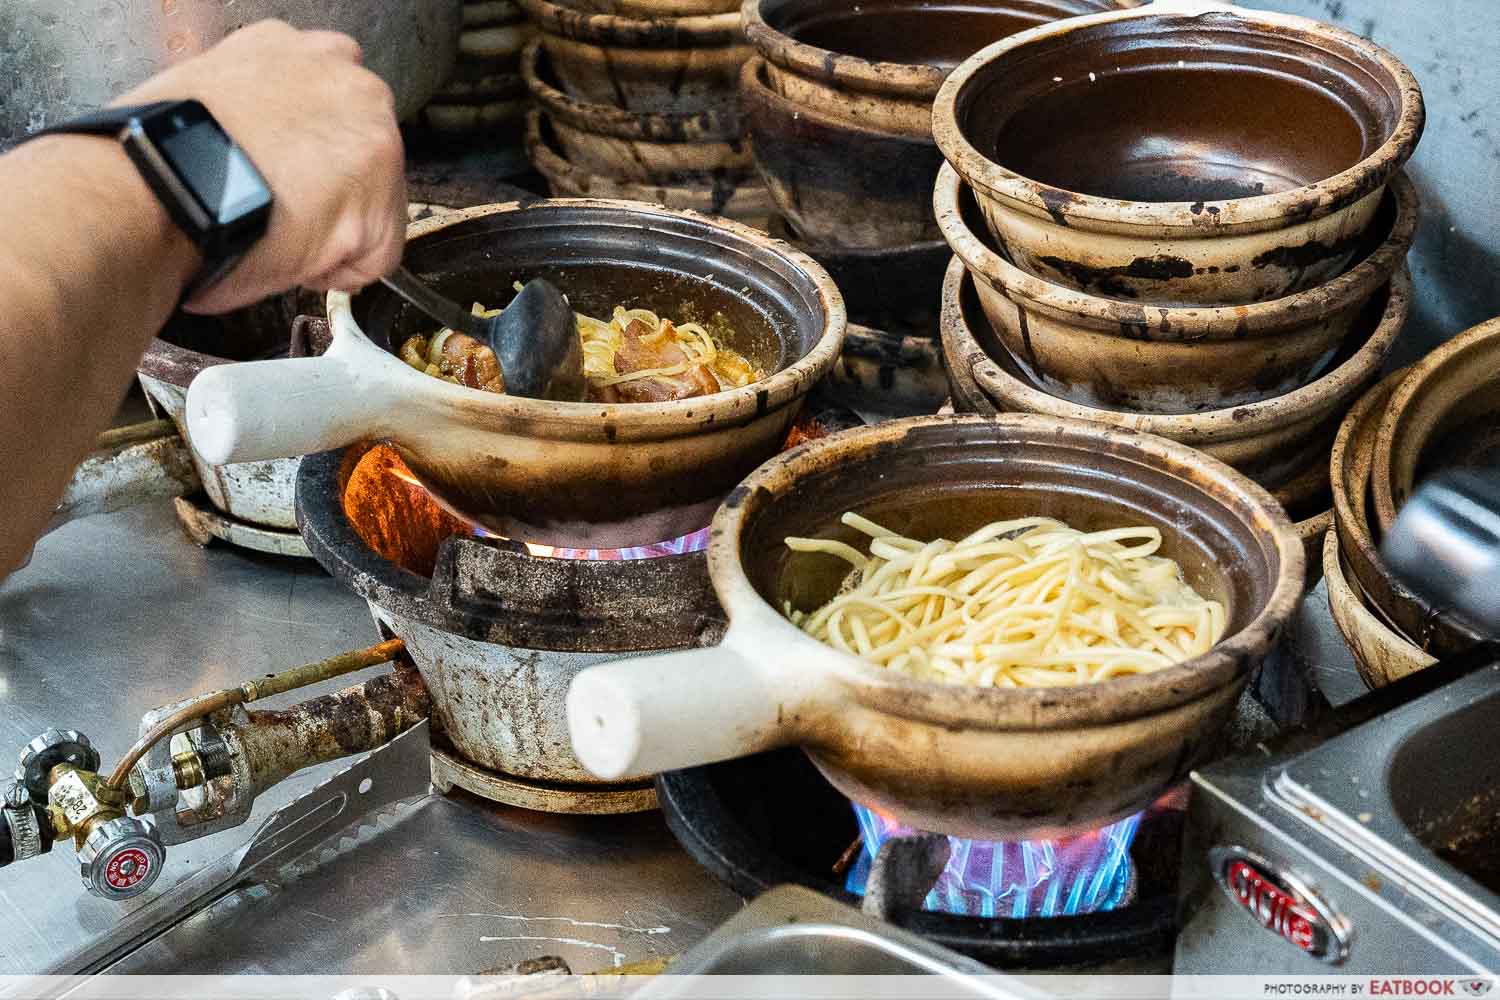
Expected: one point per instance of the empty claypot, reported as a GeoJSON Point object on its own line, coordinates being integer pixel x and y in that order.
{"type": "Point", "coordinates": [1168, 359]}
{"type": "Point", "coordinates": [735, 198]}
{"type": "Point", "coordinates": [643, 146]}
{"type": "Point", "coordinates": [839, 109]}
{"type": "Point", "coordinates": [838, 183]}
{"type": "Point", "coordinates": [1380, 653]}
{"type": "Point", "coordinates": [879, 64]}
{"type": "Point", "coordinates": [1189, 152]}
{"type": "Point", "coordinates": [1349, 473]}
{"type": "Point", "coordinates": [671, 64]}
{"type": "Point", "coordinates": [1281, 443]}
{"type": "Point", "coordinates": [1445, 414]}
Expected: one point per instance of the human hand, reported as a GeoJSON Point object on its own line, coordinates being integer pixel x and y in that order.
{"type": "Point", "coordinates": [322, 130]}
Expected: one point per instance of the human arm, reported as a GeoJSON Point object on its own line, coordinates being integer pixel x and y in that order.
{"type": "Point", "coordinates": [91, 266]}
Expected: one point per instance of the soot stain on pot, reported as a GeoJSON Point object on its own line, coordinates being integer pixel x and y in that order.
{"type": "Point", "coordinates": [1307, 255]}
{"type": "Point", "coordinates": [1111, 280]}
{"type": "Point", "coordinates": [1055, 201]}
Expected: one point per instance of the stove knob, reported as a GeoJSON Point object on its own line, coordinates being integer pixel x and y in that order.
{"type": "Point", "coordinates": [54, 747]}
{"type": "Point", "coordinates": [121, 858]}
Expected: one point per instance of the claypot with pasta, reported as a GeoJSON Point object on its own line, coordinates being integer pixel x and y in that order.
{"type": "Point", "coordinates": [1151, 536]}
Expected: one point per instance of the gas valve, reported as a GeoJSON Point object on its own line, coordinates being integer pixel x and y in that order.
{"type": "Point", "coordinates": [121, 858]}
{"type": "Point", "coordinates": [196, 768]}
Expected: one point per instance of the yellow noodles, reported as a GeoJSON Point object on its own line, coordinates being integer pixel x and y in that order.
{"type": "Point", "coordinates": [602, 341]}
{"type": "Point", "coordinates": [1023, 603]}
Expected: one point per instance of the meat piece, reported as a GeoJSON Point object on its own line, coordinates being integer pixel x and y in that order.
{"type": "Point", "coordinates": [464, 360]}
{"type": "Point", "coordinates": [642, 349]}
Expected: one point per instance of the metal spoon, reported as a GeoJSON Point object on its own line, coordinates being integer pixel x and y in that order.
{"type": "Point", "coordinates": [535, 338]}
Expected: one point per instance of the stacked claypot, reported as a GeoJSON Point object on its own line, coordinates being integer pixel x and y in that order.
{"type": "Point", "coordinates": [1441, 413]}
{"type": "Point", "coordinates": [636, 99]}
{"type": "Point", "coordinates": [1188, 222]}
{"type": "Point", "coordinates": [483, 104]}
{"type": "Point", "coordinates": [838, 103]}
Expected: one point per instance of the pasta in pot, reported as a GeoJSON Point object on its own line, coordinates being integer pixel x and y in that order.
{"type": "Point", "coordinates": [1022, 603]}
{"type": "Point", "coordinates": [635, 356]}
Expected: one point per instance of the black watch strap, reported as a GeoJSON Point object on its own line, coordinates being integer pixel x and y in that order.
{"type": "Point", "coordinates": [203, 179]}
{"type": "Point", "coordinates": [105, 121]}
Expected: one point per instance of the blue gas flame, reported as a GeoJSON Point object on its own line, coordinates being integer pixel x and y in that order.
{"type": "Point", "coordinates": [1088, 873]}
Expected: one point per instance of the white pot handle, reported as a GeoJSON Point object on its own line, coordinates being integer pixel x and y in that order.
{"type": "Point", "coordinates": [632, 718]}
{"type": "Point", "coordinates": [260, 410]}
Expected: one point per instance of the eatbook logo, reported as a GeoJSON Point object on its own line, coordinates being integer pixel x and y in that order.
{"type": "Point", "coordinates": [1475, 987]}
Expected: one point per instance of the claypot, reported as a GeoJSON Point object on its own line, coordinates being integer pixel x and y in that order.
{"type": "Point", "coordinates": [1271, 138]}
{"type": "Point", "coordinates": [1380, 653]}
{"type": "Point", "coordinates": [259, 493]}
{"type": "Point", "coordinates": [667, 64]}
{"type": "Point", "coordinates": [1168, 359]}
{"type": "Point", "coordinates": [838, 183]}
{"type": "Point", "coordinates": [1281, 443]}
{"type": "Point", "coordinates": [839, 108]}
{"type": "Point", "coordinates": [883, 371]}
{"type": "Point", "coordinates": [1349, 472]}
{"type": "Point", "coordinates": [1445, 414]}
{"type": "Point", "coordinates": [880, 63]}
{"type": "Point", "coordinates": [640, 146]}
{"type": "Point", "coordinates": [582, 474]}
{"type": "Point", "coordinates": [740, 199]}
{"type": "Point", "coordinates": [648, 9]}
{"type": "Point", "coordinates": [892, 288]}
{"type": "Point", "coordinates": [993, 763]}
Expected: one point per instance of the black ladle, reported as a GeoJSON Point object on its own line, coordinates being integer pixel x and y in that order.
{"type": "Point", "coordinates": [535, 338]}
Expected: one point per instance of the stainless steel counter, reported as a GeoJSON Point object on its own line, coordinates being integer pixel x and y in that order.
{"type": "Point", "coordinates": [119, 613]}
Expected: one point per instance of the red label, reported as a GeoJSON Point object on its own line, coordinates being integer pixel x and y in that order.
{"type": "Point", "coordinates": [127, 868]}
{"type": "Point", "coordinates": [1276, 909]}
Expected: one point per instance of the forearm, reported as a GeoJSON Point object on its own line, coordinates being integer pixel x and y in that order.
{"type": "Point", "coordinates": [90, 270]}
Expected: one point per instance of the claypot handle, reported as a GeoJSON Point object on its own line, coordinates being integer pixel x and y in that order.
{"type": "Point", "coordinates": [637, 717]}
{"type": "Point", "coordinates": [284, 408]}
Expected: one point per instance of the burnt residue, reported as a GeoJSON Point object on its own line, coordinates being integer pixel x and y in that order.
{"type": "Point", "coordinates": [1310, 254]}
{"type": "Point", "coordinates": [1118, 280]}
{"type": "Point", "coordinates": [355, 720]}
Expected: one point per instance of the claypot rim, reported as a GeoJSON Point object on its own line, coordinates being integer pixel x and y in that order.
{"type": "Point", "coordinates": [1217, 218]}
{"type": "Point", "coordinates": [1355, 538]}
{"type": "Point", "coordinates": [627, 422]}
{"type": "Point", "coordinates": [614, 31]}
{"type": "Point", "coordinates": [1186, 322]}
{"type": "Point", "coordinates": [1010, 708]}
{"type": "Point", "coordinates": [621, 123]}
{"type": "Point", "coordinates": [909, 81]}
{"type": "Point", "coordinates": [1341, 588]}
{"type": "Point", "coordinates": [1225, 424]}
{"type": "Point", "coordinates": [1424, 377]}
{"type": "Point", "coordinates": [549, 161]}
{"type": "Point", "coordinates": [754, 89]}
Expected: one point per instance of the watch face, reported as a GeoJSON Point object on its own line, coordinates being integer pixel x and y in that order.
{"type": "Point", "coordinates": [221, 177]}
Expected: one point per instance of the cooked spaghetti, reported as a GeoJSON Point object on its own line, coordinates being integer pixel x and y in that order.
{"type": "Point", "coordinates": [634, 357]}
{"type": "Point", "coordinates": [1022, 603]}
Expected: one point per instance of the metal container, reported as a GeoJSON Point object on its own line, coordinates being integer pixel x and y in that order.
{"type": "Point", "coordinates": [1366, 847]}
{"type": "Point", "coordinates": [993, 763]}
{"type": "Point", "coordinates": [61, 58]}
{"type": "Point", "coordinates": [792, 931]}
{"type": "Point", "coordinates": [1146, 155]}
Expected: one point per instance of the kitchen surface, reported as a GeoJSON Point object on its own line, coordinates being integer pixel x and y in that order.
{"type": "Point", "coordinates": [506, 686]}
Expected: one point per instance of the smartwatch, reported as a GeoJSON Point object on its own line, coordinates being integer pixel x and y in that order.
{"type": "Point", "coordinates": [201, 176]}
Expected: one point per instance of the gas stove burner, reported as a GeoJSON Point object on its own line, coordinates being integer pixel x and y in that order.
{"type": "Point", "coordinates": [773, 819]}
{"type": "Point", "coordinates": [1088, 873]}
{"type": "Point", "coordinates": [204, 523]}
{"type": "Point", "coordinates": [449, 771]}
